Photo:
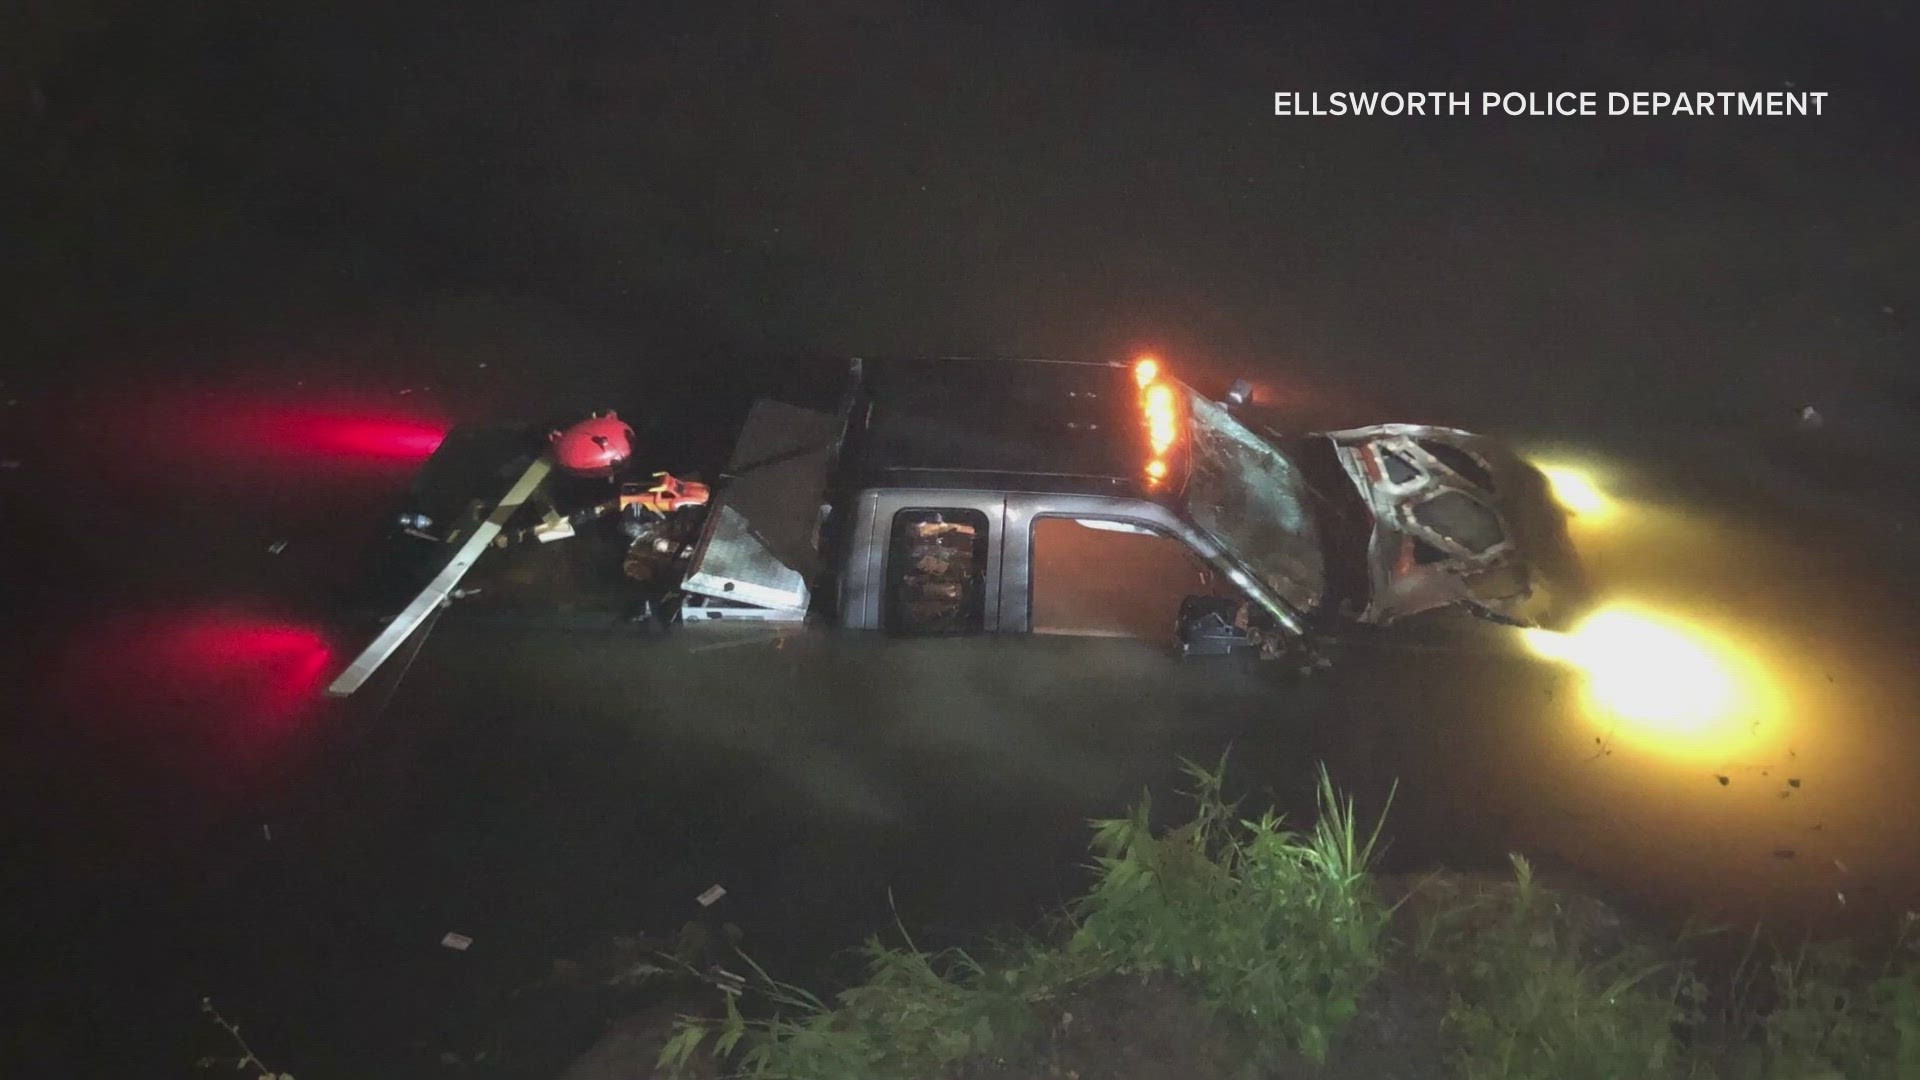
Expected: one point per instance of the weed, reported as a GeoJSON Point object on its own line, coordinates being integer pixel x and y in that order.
{"type": "Point", "coordinates": [1281, 933]}
{"type": "Point", "coordinates": [1277, 929]}
{"type": "Point", "coordinates": [1531, 997]}
{"type": "Point", "coordinates": [917, 1014]}
{"type": "Point", "coordinates": [1824, 1012]}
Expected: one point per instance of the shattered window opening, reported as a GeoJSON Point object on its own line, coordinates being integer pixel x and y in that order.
{"type": "Point", "coordinates": [1470, 468]}
{"type": "Point", "coordinates": [1399, 469]}
{"type": "Point", "coordinates": [1425, 554]}
{"type": "Point", "coordinates": [1462, 520]}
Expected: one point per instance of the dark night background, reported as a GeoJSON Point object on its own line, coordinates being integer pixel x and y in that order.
{"type": "Point", "coordinates": [214, 207]}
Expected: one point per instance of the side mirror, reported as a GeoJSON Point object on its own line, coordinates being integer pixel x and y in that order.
{"type": "Point", "coordinates": [1239, 393]}
{"type": "Point", "coordinates": [1212, 626]}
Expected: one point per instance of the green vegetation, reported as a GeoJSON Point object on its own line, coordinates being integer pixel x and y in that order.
{"type": "Point", "coordinates": [1232, 946]}
{"type": "Point", "coordinates": [1532, 993]}
{"type": "Point", "coordinates": [1277, 930]}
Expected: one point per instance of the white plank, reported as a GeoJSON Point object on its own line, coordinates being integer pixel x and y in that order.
{"type": "Point", "coordinates": [402, 627]}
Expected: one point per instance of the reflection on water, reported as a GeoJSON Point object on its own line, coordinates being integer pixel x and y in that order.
{"type": "Point", "coordinates": [1655, 680]}
{"type": "Point", "coordinates": [202, 678]}
{"type": "Point", "coordinates": [1741, 742]}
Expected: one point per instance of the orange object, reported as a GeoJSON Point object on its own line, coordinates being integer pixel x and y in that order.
{"type": "Point", "coordinates": [1161, 410]}
{"type": "Point", "coordinates": [668, 493]}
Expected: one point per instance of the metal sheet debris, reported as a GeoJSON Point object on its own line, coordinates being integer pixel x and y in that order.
{"type": "Point", "coordinates": [276, 547]}
{"type": "Point", "coordinates": [553, 527]}
{"type": "Point", "coordinates": [711, 896]}
{"type": "Point", "coordinates": [456, 942]}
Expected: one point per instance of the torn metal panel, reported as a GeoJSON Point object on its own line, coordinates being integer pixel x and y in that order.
{"type": "Point", "coordinates": [761, 541]}
{"type": "Point", "coordinates": [734, 562]}
{"type": "Point", "coordinates": [700, 609]}
{"type": "Point", "coordinates": [1461, 518]}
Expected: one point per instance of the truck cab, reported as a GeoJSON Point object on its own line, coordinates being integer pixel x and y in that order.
{"type": "Point", "coordinates": [965, 496]}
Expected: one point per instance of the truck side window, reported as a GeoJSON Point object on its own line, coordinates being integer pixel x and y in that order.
{"type": "Point", "coordinates": [1093, 581]}
{"type": "Point", "coordinates": [937, 572]}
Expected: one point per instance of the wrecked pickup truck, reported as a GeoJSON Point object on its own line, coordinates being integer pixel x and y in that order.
{"type": "Point", "coordinates": [958, 496]}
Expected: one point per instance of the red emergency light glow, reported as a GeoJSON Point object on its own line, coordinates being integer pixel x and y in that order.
{"type": "Point", "coordinates": [335, 437]}
{"type": "Point", "coordinates": [225, 434]}
{"type": "Point", "coordinates": [233, 674]}
{"type": "Point", "coordinates": [375, 438]}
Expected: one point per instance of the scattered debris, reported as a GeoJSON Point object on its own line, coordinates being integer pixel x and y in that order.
{"type": "Point", "coordinates": [1723, 778]}
{"type": "Point", "coordinates": [276, 547]}
{"type": "Point", "coordinates": [266, 831]}
{"type": "Point", "coordinates": [553, 527]}
{"type": "Point", "coordinates": [728, 982]}
{"type": "Point", "coordinates": [635, 972]}
{"type": "Point", "coordinates": [1840, 866]}
{"type": "Point", "coordinates": [1842, 897]}
{"type": "Point", "coordinates": [1783, 853]}
{"type": "Point", "coordinates": [462, 594]}
{"type": "Point", "coordinates": [1810, 418]}
{"type": "Point", "coordinates": [711, 896]}
{"type": "Point", "coordinates": [407, 391]}
{"type": "Point", "coordinates": [456, 942]}
{"type": "Point", "coordinates": [245, 1056]}
{"type": "Point", "coordinates": [11, 463]}
{"type": "Point", "coordinates": [1793, 781]}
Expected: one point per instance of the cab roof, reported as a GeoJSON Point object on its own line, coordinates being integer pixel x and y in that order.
{"type": "Point", "coordinates": [1019, 424]}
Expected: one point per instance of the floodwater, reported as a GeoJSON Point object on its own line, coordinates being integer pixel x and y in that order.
{"type": "Point", "coordinates": [198, 820]}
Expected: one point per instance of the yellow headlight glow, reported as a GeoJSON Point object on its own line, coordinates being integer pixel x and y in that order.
{"type": "Point", "coordinates": [1660, 680]}
{"type": "Point", "coordinates": [1578, 494]}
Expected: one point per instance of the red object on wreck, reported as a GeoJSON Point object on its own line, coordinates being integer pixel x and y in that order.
{"type": "Point", "coordinates": [596, 446]}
